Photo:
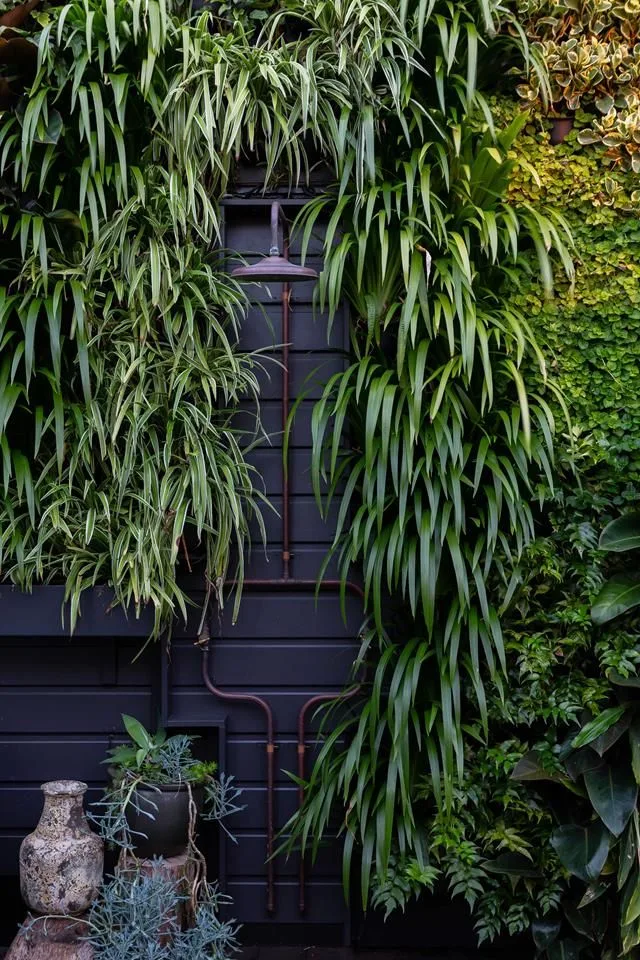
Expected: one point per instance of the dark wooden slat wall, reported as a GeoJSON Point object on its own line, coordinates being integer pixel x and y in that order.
{"type": "Point", "coordinates": [61, 698]}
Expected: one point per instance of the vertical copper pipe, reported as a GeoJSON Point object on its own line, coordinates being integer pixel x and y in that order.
{"type": "Point", "coordinates": [270, 750]}
{"type": "Point", "coordinates": [286, 295]}
{"type": "Point", "coordinates": [302, 744]}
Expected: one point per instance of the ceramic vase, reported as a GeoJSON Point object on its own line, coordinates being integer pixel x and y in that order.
{"type": "Point", "coordinates": [61, 862]}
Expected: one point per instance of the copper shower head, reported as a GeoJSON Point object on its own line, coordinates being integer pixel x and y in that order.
{"type": "Point", "coordinates": [274, 267]}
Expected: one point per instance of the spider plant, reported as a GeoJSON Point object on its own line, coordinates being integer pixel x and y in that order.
{"type": "Point", "coordinates": [121, 372]}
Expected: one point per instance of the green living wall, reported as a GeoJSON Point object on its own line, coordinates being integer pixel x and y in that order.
{"type": "Point", "coordinates": [473, 519]}
{"type": "Point", "coordinates": [524, 841]}
{"type": "Point", "coordinates": [590, 330]}
{"type": "Point", "coordinates": [536, 792]}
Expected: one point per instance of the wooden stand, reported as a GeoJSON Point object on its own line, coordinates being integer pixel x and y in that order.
{"type": "Point", "coordinates": [175, 869]}
{"type": "Point", "coordinates": [51, 938]}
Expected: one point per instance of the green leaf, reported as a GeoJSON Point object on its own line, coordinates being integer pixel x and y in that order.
{"type": "Point", "coordinates": [634, 742]}
{"type": "Point", "coordinates": [512, 865]}
{"type": "Point", "coordinates": [620, 681]}
{"type": "Point", "coordinates": [582, 850]}
{"type": "Point", "coordinates": [617, 596]}
{"type": "Point", "coordinates": [613, 793]}
{"type": "Point", "coordinates": [598, 726]}
{"type": "Point", "coordinates": [565, 949]}
{"type": "Point", "coordinates": [593, 892]}
{"type": "Point", "coordinates": [578, 762]}
{"type": "Point", "coordinates": [632, 911]}
{"type": "Point", "coordinates": [136, 731]}
{"type": "Point", "coordinates": [630, 936]}
{"type": "Point", "coordinates": [628, 851]}
{"type": "Point", "coordinates": [530, 768]}
{"type": "Point", "coordinates": [544, 931]}
{"type": "Point", "coordinates": [621, 534]}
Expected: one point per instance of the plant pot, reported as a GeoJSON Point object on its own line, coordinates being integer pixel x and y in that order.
{"type": "Point", "coordinates": [158, 818]}
{"type": "Point", "coordinates": [61, 861]}
{"type": "Point", "coordinates": [560, 128]}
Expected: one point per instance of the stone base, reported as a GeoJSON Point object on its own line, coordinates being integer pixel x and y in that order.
{"type": "Point", "coordinates": [51, 938]}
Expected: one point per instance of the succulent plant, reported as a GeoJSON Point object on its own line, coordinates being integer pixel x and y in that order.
{"type": "Point", "coordinates": [591, 50]}
{"type": "Point", "coordinates": [618, 129]}
{"type": "Point", "coordinates": [585, 69]}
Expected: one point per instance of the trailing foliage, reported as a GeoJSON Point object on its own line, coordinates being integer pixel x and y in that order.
{"type": "Point", "coordinates": [563, 670]}
{"type": "Point", "coordinates": [120, 369]}
{"type": "Point", "coordinates": [450, 438]}
{"type": "Point", "coordinates": [136, 915]}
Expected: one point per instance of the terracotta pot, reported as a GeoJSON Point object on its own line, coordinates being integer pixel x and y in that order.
{"type": "Point", "coordinates": [61, 862]}
{"type": "Point", "coordinates": [560, 128]}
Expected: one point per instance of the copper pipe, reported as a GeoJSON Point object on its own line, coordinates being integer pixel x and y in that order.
{"type": "Point", "coordinates": [286, 296]}
{"type": "Point", "coordinates": [270, 750]}
{"type": "Point", "coordinates": [302, 741]}
{"type": "Point", "coordinates": [204, 638]}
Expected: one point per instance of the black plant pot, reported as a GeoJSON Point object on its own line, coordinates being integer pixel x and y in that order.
{"type": "Point", "coordinates": [161, 813]}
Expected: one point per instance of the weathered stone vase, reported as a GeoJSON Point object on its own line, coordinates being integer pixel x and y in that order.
{"type": "Point", "coordinates": [61, 862]}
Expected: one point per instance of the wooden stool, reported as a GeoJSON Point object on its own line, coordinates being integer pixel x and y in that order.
{"type": "Point", "coordinates": [175, 869]}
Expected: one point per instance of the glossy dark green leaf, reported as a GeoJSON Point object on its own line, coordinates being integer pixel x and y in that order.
{"type": "Point", "coordinates": [582, 850]}
{"type": "Point", "coordinates": [593, 892]}
{"type": "Point", "coordinates": [617, 597]}
{"type": "Point", "coordinates": [579, 919]}
{"type": "Point", "coordinates": [628, 852]}
{"type": "Point", "coordinates": [634, 743]}
{"type": "Point", "coordinates": [564, 949]}
{"type": "Point", "coordinates": [613, 792]}
{"type": "Point", "coordinates": [621, 534]}
{"type": "Point", "coordinates": [579, 761]}
{"type": "Point", "coordinates": [620, 681]}
{"type": "Point", "coordinates": [598, 726]}
{"type": "Point", "coordinates": [545, 930]}
{"type": "Point", "coordinates": [513, 865]}
{"type": "Point", "coordinates": [606, 740]}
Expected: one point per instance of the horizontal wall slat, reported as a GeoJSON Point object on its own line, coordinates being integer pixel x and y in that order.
{"type": "Point", "coordinates": [296, 615]}
{"type": "Point", "coordinates": [307, 374]}
{"type": "Point", "coordinates": [46, 664]}
{"type": "Point", "coordinates": [49, 758]}
{"type": "Point", "coordinates": [325, 902]}
{"type": "Point", "coordinates": [307, 562]}
{"type": "Point", "coordinates": [254, 664]}
{"type": "Point", "coordinates": [195, 707]}
{"type": "Point", "coordinates": [306, 524]}
{"type": "Point", "coordinates": [262, 327]}
{"type": "Point", "coordinates": [249, 858]}
{"type": "Point", "coordinates": [70, 711]}
{"type": "Point", "coordinates": [271, 423]}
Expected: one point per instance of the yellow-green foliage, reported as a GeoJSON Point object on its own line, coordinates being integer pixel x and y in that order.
{"type": "Point", "coordinates": [591, 332]}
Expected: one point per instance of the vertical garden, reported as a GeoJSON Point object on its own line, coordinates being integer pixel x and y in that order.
{"type": "Point", "coordinates": [481, 443]}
